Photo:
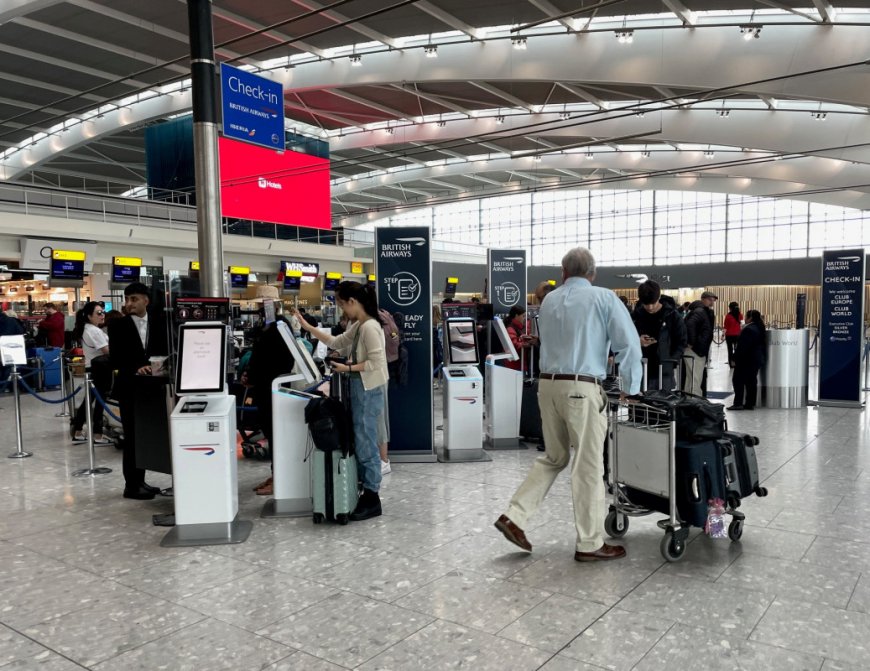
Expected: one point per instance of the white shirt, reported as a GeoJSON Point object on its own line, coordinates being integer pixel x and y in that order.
{"type": "Point", "coordinates": [142, 325]}
{"type": "Point", "coordinates": [93, 340]}
{"type": "Point", "coordinates": [579, 324]}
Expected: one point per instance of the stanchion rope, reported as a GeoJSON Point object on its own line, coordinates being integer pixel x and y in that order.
{"type": "Point", "coordinates": [30, 391]}
{"type": "Point", "coordinates": [104, 403]}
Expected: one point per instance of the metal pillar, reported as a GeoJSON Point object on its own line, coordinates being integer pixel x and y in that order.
{"type": "Point", "coordinates": [64, 412]}
{"type": "Point", "coordinates": [205, 149]}
{"type": "Point", "coordinates": [93, 469]}
{"type": "Point", "coordinates": [19, 452]}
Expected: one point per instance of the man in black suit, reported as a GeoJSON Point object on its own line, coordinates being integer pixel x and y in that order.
{"type": "Point", "coordinates": [133, 339]}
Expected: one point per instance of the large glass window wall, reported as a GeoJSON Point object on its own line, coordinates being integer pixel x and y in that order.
{"type": "Point", "coordinates": [650, 227]}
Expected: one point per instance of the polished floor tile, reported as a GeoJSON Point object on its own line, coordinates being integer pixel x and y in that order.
{"type": "Point", "coordinates": [618, 640]}
{"type": "Point", "coordinates": [431, 584]}
{"type": "Point", "coordinates": [208, 644]}
{"type": "Point", "coordinates": [553, 623]}
{"type": "Point", "coordinates": [346, 629]}
{"type": "Point", "coordinates": [444, 646]}
{"type": "Point", "coordinates": [685, 647]}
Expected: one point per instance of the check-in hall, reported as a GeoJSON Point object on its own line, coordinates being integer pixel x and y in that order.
{"type": "Point", "coordinates": [428, 334]}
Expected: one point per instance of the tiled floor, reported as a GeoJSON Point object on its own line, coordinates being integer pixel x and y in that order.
{"type": "Point", "coordinates": [431, 585]}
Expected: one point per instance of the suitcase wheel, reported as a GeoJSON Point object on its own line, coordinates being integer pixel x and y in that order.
{"type": "Point", "coordinates": [318, 518]}
{"type": "Point", "coordinates": [247, 450]}
{"type": "Point", "coordinates": [735, 530]}
{"type": "Point", "coordinates": [761, 491]}
{"type": "Point", "coordinates": [672, 548]}
{"type": "Point", "coordinates": [612, 523]}
{"type": "Point", "coordinates": [342, 519]}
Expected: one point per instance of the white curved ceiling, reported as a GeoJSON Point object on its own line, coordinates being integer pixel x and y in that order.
{"type": "Point", "coordinates": [482, 117]}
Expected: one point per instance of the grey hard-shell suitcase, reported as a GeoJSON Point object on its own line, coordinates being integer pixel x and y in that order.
{"type": "Point", "coordinates": [741, 466]}
{"type": "Point", "coordinates": [334, 485]}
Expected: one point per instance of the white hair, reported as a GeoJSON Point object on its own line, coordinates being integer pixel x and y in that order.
{"type": "Point", "coordinates": [578, 262]}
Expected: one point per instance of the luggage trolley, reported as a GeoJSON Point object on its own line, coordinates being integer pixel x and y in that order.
{"type": "Point", "coordinates": [642, 457]}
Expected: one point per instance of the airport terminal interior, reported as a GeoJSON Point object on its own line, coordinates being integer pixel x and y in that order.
{"type": "Point", "coordinates": [446, 154]}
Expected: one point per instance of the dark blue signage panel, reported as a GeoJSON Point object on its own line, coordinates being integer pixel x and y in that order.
{"type": "Point", "coordinates": [841, 337]}
{"type": "Point", "coordinates": [253, 108]}
{"type": "Point", "coordinates": [403, 267]}
{"type": "Point", "coordinates": [507, 279]}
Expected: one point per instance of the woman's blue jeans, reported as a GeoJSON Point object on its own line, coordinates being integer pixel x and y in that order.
{"type": "Point", "coordinates": [366, 406]}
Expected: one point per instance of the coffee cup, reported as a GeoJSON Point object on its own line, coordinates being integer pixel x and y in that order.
{"type": "Point", "coordinates": [158, 365]}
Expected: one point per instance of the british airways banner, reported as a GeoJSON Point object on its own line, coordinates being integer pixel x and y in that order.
{"type": "Point", "coordinates": [403, 271]}
{"type": "Point", "coordinates": [841, 336]}
{"type": "Point", "coordinates": [252, 108]}
{"type": "Point", "coordinates": [507, 279]}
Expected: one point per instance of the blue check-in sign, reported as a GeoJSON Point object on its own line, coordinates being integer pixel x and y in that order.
{"type": "Point", "coordinates": [253, 108]}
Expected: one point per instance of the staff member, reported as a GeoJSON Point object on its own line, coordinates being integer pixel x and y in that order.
{"type": "Point", "coordinates": [579, 324]}
{"type": "Point", "coordinates": [133, 339]}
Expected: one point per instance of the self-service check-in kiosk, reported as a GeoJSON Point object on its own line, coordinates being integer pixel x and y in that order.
{"type": "Point", "coordinates": [462, 393]}
{"type": "Point", "coordinates": [291, 470]}
{"type": "Point", "coordinates": [203, 430]}
{"type": "Point", "coordinates": [504, 394]}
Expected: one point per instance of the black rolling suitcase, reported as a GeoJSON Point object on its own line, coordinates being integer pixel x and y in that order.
{"type": "Point", "coordinates": [700, 478]}
{"type": "Point", "coordinates": [741, 465]}
{"type": "Point", "coordinates": [530, 412]}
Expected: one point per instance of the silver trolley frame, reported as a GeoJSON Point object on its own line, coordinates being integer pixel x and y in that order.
{"type": "Point", "coordinates": [642, 455]}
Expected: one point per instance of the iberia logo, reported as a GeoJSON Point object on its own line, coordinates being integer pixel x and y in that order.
{"type": "Point", "coordinates": [207, 451]}
{"type": "Point", "coordinates": [467, 399]}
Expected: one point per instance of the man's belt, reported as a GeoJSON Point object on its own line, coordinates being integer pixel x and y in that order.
{"type": "Point", "coordinates": [569, 376]}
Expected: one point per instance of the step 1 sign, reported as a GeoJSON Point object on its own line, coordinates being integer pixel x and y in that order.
{"type": "Point", "coordinates": [252, 108]}
{"type": "Point", "coordinates": [507, 279]}
{"type": "Point", "coordinates": [841, 336]}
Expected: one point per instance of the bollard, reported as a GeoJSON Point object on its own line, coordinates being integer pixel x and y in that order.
{"type": "Point", "coordinates": [64, 409]}
{"type": "Point", "coordinates": [71, 401]}
{"type": "Point", "coordinates": [19, 453]}
{"type": "Point", "coordinates": [645, 363]}
{"type": "Point", "coordinates": [93, 469]}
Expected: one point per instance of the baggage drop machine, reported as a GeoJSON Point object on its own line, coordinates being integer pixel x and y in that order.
{"type": "Point", "coordinates": [462, 393]}
{"type": "Point", "coordinates": [291, 468]}
{"type": "Point", "coordinates": [504, 395]}
{"type": "Point", "coordinates": [203, 431]}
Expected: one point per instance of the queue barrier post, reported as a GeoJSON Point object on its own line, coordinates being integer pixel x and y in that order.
{"type": "Point", "coordinates": [19, 452]}
{"type": "Point", "coordinates": [64, 411]}
{"type": "Point", "coordinates": [92, 469]}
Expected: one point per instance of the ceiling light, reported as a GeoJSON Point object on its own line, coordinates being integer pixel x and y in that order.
{"type": "Point", "coordinates": [499, 120]}
{"type": "Point", "coordinates": [819, 116]}
{"type": "Point", "coordinates": [645, 154]}
{"type": "Point", "coordinates": [749, 32]}
{"type": "Point", "coordinates": [519, 43]}
{"type": "Point", "coordinates": [589, 156]}
{"type": "Point", "coordinates": [537, 159]}
{"type": "Point", "coordinates": [723, 112]}
{"type": "Point", "coordinates": [624, 36]}
{"type": "Point", "coordinates": [441, 124]}
{"type": "Point", "coordinates": [431, 51]}
{"type": "Point", "coordinates": [709, 154]}
{"type": "Point", "coordinates": [641, 114]}
{"type": "Point", "coordinates": [564, 116]}
{"type": "Point", "coordinates": [356, 61]}
{"type": "Point", "coordinates": [389, 131]}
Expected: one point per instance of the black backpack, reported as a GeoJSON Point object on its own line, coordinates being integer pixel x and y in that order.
{"type": "Point", "coordinates": [330, 425]}
{"type": "Point", "coordinates": [697, 418]}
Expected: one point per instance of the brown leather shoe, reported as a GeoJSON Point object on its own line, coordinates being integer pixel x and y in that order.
{"type": "Point", "coordinates": [513, 533]}
{"type": "Point", "coordinates": [603, 553]}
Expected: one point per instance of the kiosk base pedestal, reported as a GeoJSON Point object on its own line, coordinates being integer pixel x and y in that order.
{"type": "Point", "coordinates": [218, 533]}
{"type": "Point", "coordinates": [459, 456]}
{"type": "Point", "coordinates": [505, 444]}
{"type": "Point", "coordinates": [287, 508]}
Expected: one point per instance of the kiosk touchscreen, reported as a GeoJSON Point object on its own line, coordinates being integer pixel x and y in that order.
{"type": "Point", "coordinates": [291, 484]}
{"type": "Point", "coordinates": [504, 394]}
{"type": "Point", "coordinates": [462, 393]}
{"type": "Point", "coordinates": [203, 430]}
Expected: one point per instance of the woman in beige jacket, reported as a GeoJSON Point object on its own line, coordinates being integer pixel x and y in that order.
{"type": "Point", "coordinates": [367, 368]}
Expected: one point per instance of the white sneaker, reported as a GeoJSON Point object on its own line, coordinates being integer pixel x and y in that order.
{"type": "Point", "coordinates": [386, 468]}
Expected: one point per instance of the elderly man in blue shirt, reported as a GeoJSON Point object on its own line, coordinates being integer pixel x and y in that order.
{"type": "Point", "coordinates": [579, 326]}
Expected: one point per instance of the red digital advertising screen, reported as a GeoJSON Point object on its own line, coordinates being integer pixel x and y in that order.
{"type": "Point", "coordinates": [281, 188]}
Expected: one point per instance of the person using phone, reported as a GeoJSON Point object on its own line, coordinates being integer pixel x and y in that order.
{"type": "Point", "coordinates": [366, 365]}
{"type": "Point", "coordinates": [662, 334]}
